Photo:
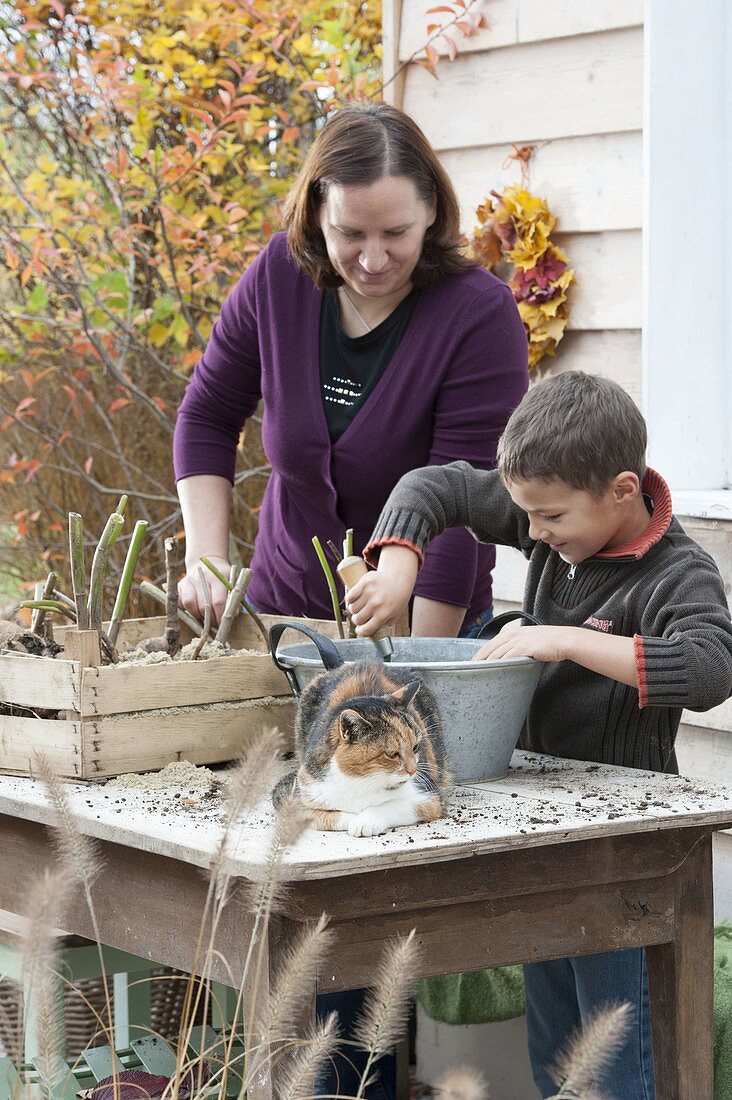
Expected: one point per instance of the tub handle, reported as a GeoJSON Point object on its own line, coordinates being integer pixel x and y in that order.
{"type": "Point", "coordinates": [328, 651]}
{"type": "Point", "coordinates": [492, 627]}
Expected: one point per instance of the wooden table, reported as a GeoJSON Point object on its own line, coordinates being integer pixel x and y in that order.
{"type": "Point", "coordinates": [560, 858]}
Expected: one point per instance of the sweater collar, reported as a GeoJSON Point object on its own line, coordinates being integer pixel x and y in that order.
{"type": "Point", "coordinates": [660, 495]}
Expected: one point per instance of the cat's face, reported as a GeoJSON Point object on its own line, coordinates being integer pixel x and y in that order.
{"type": "Point", "coordinates": [379, 735]}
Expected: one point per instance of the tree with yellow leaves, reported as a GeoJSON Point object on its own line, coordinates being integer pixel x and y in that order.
{"type": "Point", "coordinates": [144, 151]}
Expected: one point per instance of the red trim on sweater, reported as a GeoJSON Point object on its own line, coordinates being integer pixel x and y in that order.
{"type": "Point", "coordinates": [640, 664]}
{"type": "Point", "coordinates": [656, 488]}
{"type": "Point", "coordinates": [369, 558]}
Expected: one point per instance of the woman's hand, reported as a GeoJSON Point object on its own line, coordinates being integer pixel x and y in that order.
{"type": "Point", "coordinates": [190, 592]}
{"type": "Point", "coordinates": [383, 593]}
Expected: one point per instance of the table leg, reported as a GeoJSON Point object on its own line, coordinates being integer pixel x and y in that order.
{"type": "Point", "coordinates": [681, 979]}
{"type": "Point", "coordinates": [261, 982]}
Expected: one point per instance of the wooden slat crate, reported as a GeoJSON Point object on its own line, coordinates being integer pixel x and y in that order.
{"type": "Point", "coordinates": [141, 717]}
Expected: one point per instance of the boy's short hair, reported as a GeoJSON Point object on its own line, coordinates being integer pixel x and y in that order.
{"type": "Point", "coordinates": [577, 428]}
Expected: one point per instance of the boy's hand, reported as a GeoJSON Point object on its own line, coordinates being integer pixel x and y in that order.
{"type": "Point", "coordinates": [543, 643]}
{"type": "Point", "coordinates": [609, 654]}
{"type": "Point", "coordinates": [384, 592]}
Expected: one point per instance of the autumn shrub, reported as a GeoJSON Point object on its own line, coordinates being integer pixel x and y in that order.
{"type": "Point", "coordinates": [144, 152]}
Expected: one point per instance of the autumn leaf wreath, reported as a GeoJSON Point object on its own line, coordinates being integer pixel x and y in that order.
{"type": "Point", "coordinates": [514, 238]}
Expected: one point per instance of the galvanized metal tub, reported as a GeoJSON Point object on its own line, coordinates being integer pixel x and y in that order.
{"type": "Point", "coordinates": [483, 703]}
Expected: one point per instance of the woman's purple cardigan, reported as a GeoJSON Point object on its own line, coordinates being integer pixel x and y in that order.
{"type": "Point", "coordinates": [459, 371]}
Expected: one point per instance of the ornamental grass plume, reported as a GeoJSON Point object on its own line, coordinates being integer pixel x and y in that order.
{"type": "Point", "coordinates": [78, 853]}
{"type": "Point", "coordinates": [319, 1045]}
{"type": "Point", "coordinates": [386, 1011]}
{"type": "Point", "coordinates": [245, 785]}
{"type": "Point", "coordinates": [590, 1053]}
{"type": "Point", "coordinates": [269, 887]}
{"type": "Point", "coordinates": [43, 907]}
{"type": "Point", "coordinates": [295, 981]}
{"type": "Point", "coordinates": [79, 857]}
{"type": "Point", "coordinates": [281, 1012]}
{"type": "Point", "coordinates": [464, 1083]}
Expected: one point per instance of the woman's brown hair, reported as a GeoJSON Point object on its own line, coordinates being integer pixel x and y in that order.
{"type": "Point", "coordinates": [362, 143]}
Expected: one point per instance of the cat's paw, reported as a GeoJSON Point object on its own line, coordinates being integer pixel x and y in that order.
{"type": "Point", "coordinates": [367, 823]}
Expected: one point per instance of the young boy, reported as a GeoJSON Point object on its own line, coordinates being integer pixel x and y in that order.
{"type": "Point", "coordinates": [637, 628]}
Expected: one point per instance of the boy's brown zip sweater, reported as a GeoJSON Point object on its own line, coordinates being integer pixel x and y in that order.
{"type": "Point", "coordinates": [662, 590]}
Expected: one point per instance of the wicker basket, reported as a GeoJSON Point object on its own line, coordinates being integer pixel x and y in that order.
{"type": "Point", "coordinates": [167, 994]}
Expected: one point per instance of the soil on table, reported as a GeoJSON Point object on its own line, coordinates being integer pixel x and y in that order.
{"type": "Point", "coordinates": [210, 649]}
{"type": "Point", "coordinates": [17, 639]}
{"type": "Point", "coordinates": [181, 773]}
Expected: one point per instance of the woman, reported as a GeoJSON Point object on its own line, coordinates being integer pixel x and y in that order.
{"type": "Point", "coordinates": [377, 347]}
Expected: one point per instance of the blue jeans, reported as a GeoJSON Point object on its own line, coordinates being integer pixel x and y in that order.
{"type": "Point", "coordinates": [564, 993]}
{"type": "Point", "coordinates": [473, 628]}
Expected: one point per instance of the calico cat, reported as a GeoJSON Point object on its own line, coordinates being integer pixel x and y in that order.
{"type": "Point", "coordinates": [368, 739]}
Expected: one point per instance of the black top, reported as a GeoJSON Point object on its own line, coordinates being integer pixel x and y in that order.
{"type": "Point", "coordinates": [350, 366]}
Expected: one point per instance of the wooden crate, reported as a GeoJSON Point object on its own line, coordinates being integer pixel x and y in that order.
{"type": "Point", "coordinates": [130, 718]}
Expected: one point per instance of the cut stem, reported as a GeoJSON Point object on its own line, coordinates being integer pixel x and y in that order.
{"type": "Point", "coordinates": [48, 605]}
{"type": "Point", "coordinates": [110, 533]}
{"type": "Point", "coordinates": [128, 573]}
{"type": "Point", "coordinates": [160, 597]}
{"type": "Point", "coordinates": [39, 612]}
{"type": "Point", "coordinates": [233, 605]}
{"type": "Point", "coordinates": [334, 551]}
{"type": "Point", "coordinates": [228, 585]}
{"type": "Point", "coordinates": [206, 615]}
{"type": "Point", "coordinates": [78, 570]}
{"type": "Point", "coordinates": [348, 544]}
{"type": "Point", "coordinates": [42, 592]}
{"type": "Point", "coordinates": [65, 600]}
{"type": "Point", "coordinates": [246, 606]}
{"type": "Point", "coordinates": [331, 584]}
{"type": "Point", "coordinates": [172, 628]}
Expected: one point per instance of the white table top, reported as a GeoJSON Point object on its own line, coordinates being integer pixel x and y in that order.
{"type": "Point", "coordinates": [543, 800]}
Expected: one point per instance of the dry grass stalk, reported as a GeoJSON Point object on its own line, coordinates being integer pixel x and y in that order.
{"type": "Point", "coordinates": [269, 888]}
{"type": "Point", "coordinates": [43, 908]}
{"type": "Point", "coordinates": [78, 853]}
{"type": "Point", "coordinates": [246, 785]}
{"type": "Point", "coordinates": [293, 987]}
{"type": "Point", "coordinates": [590, 1053]}
{"type": "Point", "coordinates": [464, 1083]}
{"type": "Point", "coordinates": [79, 857]}
{"type": "Point", "coordinates": [49, 1016]}
{"type": "Point", "coordinates": [266, 894]}
{"type": "Point", "coordinates": [296, 980]}
{"type": "Point", "coordinates": [319, 1046]}
{"type": "Point", "coordinates": [386, 1010]}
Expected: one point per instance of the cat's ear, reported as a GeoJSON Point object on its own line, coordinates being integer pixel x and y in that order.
{"type": "Point", "coordinates": [351, 724]}
{"type": "Point", "coordinates": [404, 695]}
